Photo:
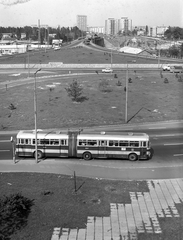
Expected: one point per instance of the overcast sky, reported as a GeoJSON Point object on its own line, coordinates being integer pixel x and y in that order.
{"type": "Point", "coordinates": [63, 12]}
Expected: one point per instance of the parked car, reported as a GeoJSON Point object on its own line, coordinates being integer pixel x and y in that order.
{"type": "Point", "coordinates": [57, 48]}
{"type": "Point", "coordinates": [107, 70]}
{"type": "Point", "coordinates": [166, 68]}
{"type": "Point", "coordinates": [176, 69]}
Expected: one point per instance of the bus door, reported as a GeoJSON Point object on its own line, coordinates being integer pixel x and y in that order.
{"type": "Point", "coordinates": [143, 149]}
{"type": "Point", "coordinates": [72, 151]}
{"type": "Point", "coordinates": [102, 150]}
{"type": "Point", "coordinates": [23, 147]}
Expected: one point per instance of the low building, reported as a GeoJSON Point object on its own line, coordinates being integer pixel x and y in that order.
{"type": "Point", "coordinates": [12, 49]}
{"type": "Point", "coordinates": [135, 51]}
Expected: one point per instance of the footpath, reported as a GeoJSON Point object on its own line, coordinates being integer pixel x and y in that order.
{"type": "Point", "coordinates": [129, 221]}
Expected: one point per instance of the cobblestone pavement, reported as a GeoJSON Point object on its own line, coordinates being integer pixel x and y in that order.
{"type": "Point", "coordinates": [126, 221]}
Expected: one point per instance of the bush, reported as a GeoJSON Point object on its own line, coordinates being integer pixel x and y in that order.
{"type": "Point", "coordinates": [180, 79]}
{"type": "Point", "coordinates": [166, 80]}
{"type": "Point", "coordinates": [104, 86]}
{"type": "Point", "coordinates": [14, 211]}
{"type": "Point", "coordinates": [129, 80]}
{"type": "Point", "coordinates": [119, 83]}
{"type": "Point", "coordinates": [115, 75]}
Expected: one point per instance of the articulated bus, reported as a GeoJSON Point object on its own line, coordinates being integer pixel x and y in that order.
{"type": "Point", "coordinates": [76, 144]}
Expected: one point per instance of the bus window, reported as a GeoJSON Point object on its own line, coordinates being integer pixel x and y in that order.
{"type": "Point", "coordinates": [92, 142]}
{"type": "Point", "coordinates": [44, 141]}
{"type": "Point", "coordinates": [103, 143]}
{"type": "Point", "coordinates": [134, 143]}
{"type": "Point", "coordinates": [82, 142]}
{"type": "Point", "coordinates": [113, 143]}
{"type": "Point", "coordinates": [22, 141]}
{"type": "Point", "coordinates": [123, 143]}
{"type": "Point", "coordinates": [27, 141]}
{"type": "Point", "coordinates": [63, 142]}
{"type": "Point", "coordinates": [54, 141]}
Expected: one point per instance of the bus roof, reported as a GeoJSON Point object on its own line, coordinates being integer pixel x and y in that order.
{"type": "Point", "coordinates": [42, 134]}
{"type": "Point", "coordinates": [115, 136]}
{"type": "Point", "coordinates": [93, 136]}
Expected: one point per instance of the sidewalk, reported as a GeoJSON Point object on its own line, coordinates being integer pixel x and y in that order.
{"type": "Point", "coordinates": [127, 221]}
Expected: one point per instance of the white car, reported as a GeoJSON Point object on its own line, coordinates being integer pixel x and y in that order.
{"type": "Point", "coordinates": [57, 48]}
{"type": "Point", "coordinates": [166, 68]}
{"type": "Point", "coordinates": [107, 70]}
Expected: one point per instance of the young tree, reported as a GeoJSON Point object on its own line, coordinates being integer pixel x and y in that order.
{"type": "Point", "coordinates": [75, 90]}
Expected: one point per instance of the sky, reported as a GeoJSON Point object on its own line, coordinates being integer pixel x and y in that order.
{"type": "Point", "coordinates": [54, 13]}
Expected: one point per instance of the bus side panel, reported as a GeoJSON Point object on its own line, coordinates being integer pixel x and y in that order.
{"type": "Point", "coordinates": [116, 152]}
{"type": "Point", "coordinates": [24, 150]}
{"type": "Point", "coordinates": [50, 150]}
{"type": "Point", "coordinates": [92, 149]}
{"type": "Point", "coordinates": [102, 152]}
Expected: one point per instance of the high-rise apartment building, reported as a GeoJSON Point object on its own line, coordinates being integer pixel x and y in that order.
{"type": "Point", "coordinates": [113, 26]}
{"type": "Point", "coordinates": [82, 22]}
{"type": "Point", "coordinates": [110, 26]}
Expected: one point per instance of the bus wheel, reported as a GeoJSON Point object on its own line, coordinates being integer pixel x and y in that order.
{"type": "Point", "coordinates": [132, 157]}
{"type": "Point", "coordinates": [87, 156]}
{"type": "Point", "coordinates": [39, 154]}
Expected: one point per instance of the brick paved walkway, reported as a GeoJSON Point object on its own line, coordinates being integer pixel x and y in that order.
{"type": "Point", "coordinates": [126, 221]}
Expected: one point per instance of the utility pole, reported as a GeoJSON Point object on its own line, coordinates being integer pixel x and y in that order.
{"type": "Point", "coordinates": [35, 113]}
{"type": "Point", "coordinates": [126, 103]}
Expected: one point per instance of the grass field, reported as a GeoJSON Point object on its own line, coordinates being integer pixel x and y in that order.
{"type": "Point", "coordinates": [158, 101]}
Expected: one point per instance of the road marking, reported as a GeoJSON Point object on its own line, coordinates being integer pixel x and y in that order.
{"type": "Point", "coordinates": [1, 141]}
{"type": "Point", "coordinates": [177, 155]}
{"type": "Point", "coordinates": [157, 128]}
{"type": "Point", "coordinates": [4, 150]}
{"type": "Point", "coordinates": [167, 135]}
{"type": "Point", "coordinates": [169, 144]}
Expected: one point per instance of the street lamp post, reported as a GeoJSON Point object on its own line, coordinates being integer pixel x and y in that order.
{"type": "Point", "coordinates": [111, 58]}
{"type": "Point", "coordinates": [35, 113]}
{"type": "Point", "coordinates": [28, 63]}
{"type": "Point", "coordinates": [126, 102]}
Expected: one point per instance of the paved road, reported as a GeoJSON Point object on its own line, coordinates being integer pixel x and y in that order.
{"type": "Point", "coordinates": [166, 138]}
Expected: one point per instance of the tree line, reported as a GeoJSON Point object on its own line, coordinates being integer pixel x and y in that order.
{"type": "Point", "coordinates": [174, 33]}
{"type": "Point", "coordinates": [43, 34]}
